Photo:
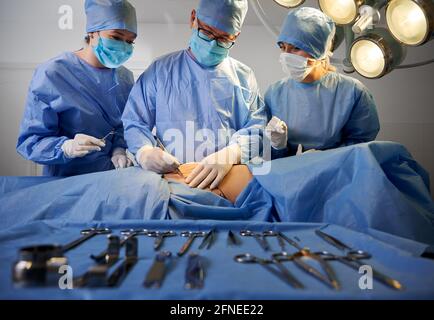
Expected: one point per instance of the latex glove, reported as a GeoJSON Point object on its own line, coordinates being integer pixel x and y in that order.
{"type": "Point", "coordinates": [277, 132]}
{"type": "Point", "coordinates": [213, 169]}
{"type": "Point", "coordinates": [156, 160]}
{"type": "Point", "coordinates": [300, 150]}
{"type": "Point", "coordinates": [81, 146]}
{"type": "Point", "coordinates": [120, 159]}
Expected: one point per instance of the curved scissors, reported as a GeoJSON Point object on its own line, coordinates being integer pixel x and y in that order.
{"type": "Point", "coordinates": [352, 259]}
{"type": "Point", "coordinates": [283, 273]}
{"type": "Point", "coordinates": [329, 278]}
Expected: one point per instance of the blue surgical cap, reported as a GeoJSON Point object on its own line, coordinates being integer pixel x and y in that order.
{"type": "Point", "coordinates": [310, 30]}
{"type": "Point", "coordinates": [225, 15]}
{"type": "Point", "coordinates": [110, 15]}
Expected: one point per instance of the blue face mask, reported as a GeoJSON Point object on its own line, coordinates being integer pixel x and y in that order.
{"type": "Point", "coordinates": [207, 53]}
{"type": "Point", "coordinates": [112, 53]}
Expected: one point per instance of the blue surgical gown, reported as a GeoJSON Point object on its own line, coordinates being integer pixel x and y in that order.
{"type": "Point", "coordinates": [67, 96]}
{"type": "Point", "coordinates": [196, 111]}
{"type": "Point", "coordinates": [332, 112]}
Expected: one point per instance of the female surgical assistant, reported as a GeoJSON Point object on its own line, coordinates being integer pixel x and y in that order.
{"type": "Point", "coordinates": [72, 120]}
{"type": "Point", "coordinates": [315, 107]}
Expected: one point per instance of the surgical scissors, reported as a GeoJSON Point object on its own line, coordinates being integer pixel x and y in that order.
{"type": "Point", "coordinates": [283, 273]}
{"type": "Point", "coordinates": [352, 257]}
{"type": "Point", "coordinates": [111, 133]}
{"type": "Point", "coordinates": [329, 278]}
{"type": "Point", "coordinates": [352, 260]}
{"type": "Point", "coordinates": [281, 238]}
{"type": "Point", "coordinates": [259, 237]}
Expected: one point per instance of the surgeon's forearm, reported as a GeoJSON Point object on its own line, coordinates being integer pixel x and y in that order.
{"type": "Point", "coordinates": [45, 151]}
{"type": "Point", "coordinates": [138, 136]}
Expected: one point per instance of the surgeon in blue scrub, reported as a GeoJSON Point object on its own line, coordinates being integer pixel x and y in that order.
{"type": "Point", "coordinates": [77, 98]}
{"type": "Point", "coordinates": [315, 107]}
{"type": "Point", "coordinates": [204, 105]}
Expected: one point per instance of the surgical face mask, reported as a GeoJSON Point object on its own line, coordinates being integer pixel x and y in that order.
{"type": "Point", "coordinates": [207, 53]}
{"type": "Point", "coordinates": [295, 66]}
{"type": "Point", "coordinates": [112, 53]}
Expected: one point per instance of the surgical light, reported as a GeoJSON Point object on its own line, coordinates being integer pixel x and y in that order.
{"type": "Point", "coordinates": [375, 54]}
{"type": "Point", "coordinates": [411, 21]}
{"type": "Point", "coordinates": [289, 3]}
{"type": "Point", "coordinates": [341, 11]}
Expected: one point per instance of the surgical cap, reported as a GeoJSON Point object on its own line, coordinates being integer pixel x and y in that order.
{"type": "Point", "coordinates": [110, 15]}
{"type": "Point", "coordinates": [310, 30]}
{"type": "Point", "coordinates": [225, 15]}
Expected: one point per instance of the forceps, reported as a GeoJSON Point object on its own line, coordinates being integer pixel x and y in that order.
{"type": "Point", "coordinates": [191, 236]}
{"type": "Point", "coordinates": [282, 273]}
{"type": "Point", "coordinates": [281, 238]}
{"type": "Point", "coordinates": [352, 257]}
{"type": "Point", "coordinates": [159, 237]}
{"type": "Point", "coordinates": [259, 237]}
{"type": "Point", "coordinates": [329, 278]}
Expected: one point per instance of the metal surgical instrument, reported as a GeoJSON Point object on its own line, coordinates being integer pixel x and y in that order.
{"type": "Point", "coordinates": [191, 236]}
{"type": "Point", "coordinates": [158, 270]}
{"type": "Point", "coordinates": [195, 272]}
{"type": "Point", "coordinates": [329, 278]}
{"type": "Point", "coordinates": [352, 259]}
{"type": "Point", "coordinates": [208, 240]}
{"type": "Point", "coordinates": [128, 233]}
{"type": "Point", "coordinates": [232, 239]}
{"type": "Point", "coordinates": [39, 264]}
{"type": "Point", "coordinates": [259, 237]}
{"type": "Point", "coordinates": [282, 273]}
{"type": "Point", "coordinates": [159, 237]}
{"type": "Point", "coordinates": [162, 147]}
{"type": "Point", "coordinates": [111, 133]}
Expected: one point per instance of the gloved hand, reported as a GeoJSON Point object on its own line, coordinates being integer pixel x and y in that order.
{"type": "Point", "coordinates": [300, 150]}
{"type": "Point", "coordinates": [120, 159]}
{"type": "Point", "coordinates": [81, 146]}
{"type": "Point", "coordinates": [156, 160]}
{"type": "Point", "coordinates": [213, 169]}
{"type": "Point", "coordinates": [277, 132]}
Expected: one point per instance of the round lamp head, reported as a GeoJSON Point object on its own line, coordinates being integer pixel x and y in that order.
{"type": "Point", "coordinates": [341, 11]}
{"type": "Point", "coordinates": [289, 3]}
{"type": "Point", "coordinates": [376, 54]}
{"type": "Point", "coordinates": [411, 21]}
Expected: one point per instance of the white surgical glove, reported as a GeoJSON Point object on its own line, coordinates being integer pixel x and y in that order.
{"type": "Point", "coordinates": [213, 169]}
{"type": "Point", "coordinates": [81, 146]}
{"type": "Point", "coordinates": [156, 160]}
{"type": "Point", "coordinates": [277, 132]}
{"type": "Point", "coordinates": [300, 150]}
{"type": "Point", "coordinates": [120, 159]}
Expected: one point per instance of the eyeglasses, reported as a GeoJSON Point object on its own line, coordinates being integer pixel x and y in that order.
{"type": "Point", "coordinates": [209, 36]}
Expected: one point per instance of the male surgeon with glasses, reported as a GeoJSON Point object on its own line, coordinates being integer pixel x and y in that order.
{"type": "Point", "coordinates": [200, 94]}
